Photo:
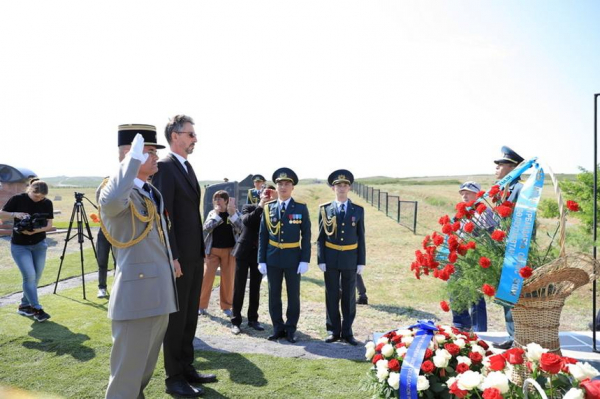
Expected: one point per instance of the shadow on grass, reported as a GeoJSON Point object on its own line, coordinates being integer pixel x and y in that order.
{"type": "Point", "coordinates": [409, 312]}
{"type": "Point", "coordinates": [86, 302]}
{"type": "Point", "coordinates": [58, 339]}
{"type": "Point", "coordinates": [319, 282]}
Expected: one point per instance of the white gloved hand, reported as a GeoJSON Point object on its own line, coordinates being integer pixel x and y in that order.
{"type": "Point", "coordinates": [137, 148]}
{"type": "Point", "coordinates": [359, 269]}
{"type": "Point", "coordinates": [323, 267]}
{"type": "Point", "coordinates": [262, 268]}
{"type": "Point", "coordinates": [302, 267]}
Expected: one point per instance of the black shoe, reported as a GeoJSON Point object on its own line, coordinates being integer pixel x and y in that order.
{"type": "Point", "coordinates": [351, 340]}
{"type": "Point", "coordinates": [276, 336]}
{"type": "Point", "coordinates": [290, 337]}
{"type": "Point", "coordinates": [195, 377]}
{"type": "Point", "coordinates": [40, 315]}
{"type": "Point", "coordinates": [26, 310]}
{"type": "Point", "coordinates": [504, 345]}
{"type": "Point", "coordinates": [362, 300]}
{"type": "Point", "coordinates": [589, 326]}
{"type": "Point", "coordinates": [183, 388]}
{"type": "Point", "coordinates": [235, 330]}
{"type": "Point", "coordinates": [332, 338]}
{"type": "Point", "coordinates": [256, 325]}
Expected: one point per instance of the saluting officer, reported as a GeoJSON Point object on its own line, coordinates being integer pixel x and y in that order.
{"type": "Point", "coordinates": [254, 193]}
{"type": "Point", "coordinates": [341, 255]}
{"type": "Point", "coordinates": [284, 251]}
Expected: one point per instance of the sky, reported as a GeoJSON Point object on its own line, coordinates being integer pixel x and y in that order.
{"type": "Point", "coordinates": [382, 88]}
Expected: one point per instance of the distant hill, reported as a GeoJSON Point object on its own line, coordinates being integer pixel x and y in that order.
{"type": "Point", "coordinates": [78, 181]}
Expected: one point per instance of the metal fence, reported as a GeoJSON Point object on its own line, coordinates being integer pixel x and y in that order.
{"type": "Point", "coordinates": [403, 212]}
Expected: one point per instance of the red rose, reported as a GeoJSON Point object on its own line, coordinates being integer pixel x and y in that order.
{"type": "Point", "coordinates": [573, 206]}
{"type": "Point", "coordinates": [447, 228]}
{"type": "Point", "coordinates": [379, 346]}
{"type": "Point", "coordinates": [485, 262]}
{"type": "Point", "coordinates": [526, 272]}
{"type": "Point", "coordinates": [498, 235]}
{"type": "Point", "coordinates": [551, 363]}
{"type": "Point", "coordinates": [456, 391]}
{"type": "Point", "coordinates": [453, 349]}
{"type": "Point", "coordinates": [445, 307]}
{"type": "Point", "coordinates": [514, 355]}
{"type": "Point", "coordinates": [592, 388]}
{"type": "Point", "coordinates": [503, 210]}
{"type": "Point", "coordinates": [475, 357]}
{"type": "Point", "coordinates": [462, 367]}
{"type": "Point", "coordinates": [428, 353]}
{"type": "Point", "coordinates": [566, 361]}
{"type": "Point", "coordinates": [394, 365]}
{"type": "Point", "coordinates": [492, 393]}
{"type": "Point", "coordinates": [483, 344]}
{"type": "Point", "coordinates": [396, 339]}
{"type": "Point", "coordinates": [427, 367]}
{"type": "Point", "coordinates": [488, 290]}
{"type": "Point", "coordinates": [497, 363]}
{"type": "Point", "coordinates": [377, 358]}
{"type": "Point", "coordinates": [481, 208]}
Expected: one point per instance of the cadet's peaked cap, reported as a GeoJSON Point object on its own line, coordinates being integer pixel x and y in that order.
{"type": "Point", "coordinates": [285, 174]}
{"type": "Point", "coordinates": [258, 178]}
{"type": "Point", "coordinates": [509, 156]}
{"type": "Point", "coordinates": [340, 176]}
{"type": "Point", "coordinates": [127, 134]}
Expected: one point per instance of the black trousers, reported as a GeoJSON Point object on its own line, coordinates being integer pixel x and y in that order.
{"type": "Point", "coordinates": [339, 287]}
{"type": "Point", "coordinates": [242, 266]}
{"type": "Point", "coordinates": [103, 253]}
{"type": "Point", "coordinates": [360, 286]}
{"type": "Point", "coordinates": [292, 284]}
{"type": "Point", "coordinates": [178, 344]}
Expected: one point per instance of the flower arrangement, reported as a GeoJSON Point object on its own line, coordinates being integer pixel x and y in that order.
{"type": "Point", "coordinates": [472, 244]}
{"type": "Point", "coordinates": [460, 365]}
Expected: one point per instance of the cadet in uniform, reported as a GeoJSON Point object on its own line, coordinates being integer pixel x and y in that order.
{"type": "Point", "coordinates": [254, 193]}
{"type": "Point", "coordinates": [284, 251]}
{"type": "Point", "coordinates": [341, 255]}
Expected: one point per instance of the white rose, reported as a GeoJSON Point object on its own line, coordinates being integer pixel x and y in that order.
{"type": "Point", "coordinates": [394, 380]}
{"type": "Point", "coordinates": [534, 352]}
{"type": "Point", "coordinates": [407, 340]}
{"type": "Point", "coordinates": [443, 352]}
{"type": "Point", "coordinates": [401, 352]}
{"type": "Point", "coordinates": [431, 345]}
{"type": "Point", "coordinates": [440, 361]}
{"type": "Point", "coordinates": [446, 328]}
{"type": "Point", "coordinates": [498, 380]}
{"type": "Point", "coordinates": [382, 374]}
{"type": "Point", "coordinates": [478, 349]}
{"type": "Point", "coordinates": [370, 344]}
{"type": "Point", "coordinates": [469, 380]}
{"type": "Point", "coordinates": [581, 371]}
{"type": "Point", "coordinates": [387, 350]}
{"type": "Point", "coordinates": [370, 353]}
{"type": "Point", "coordinates": [422, 383]}
{"type": "Point", "coordinates": [404, 333]}
{"type": "Point", "coordinates": [383, 340]}
{"type": "Point", "coordinates": [450, 381]}
{"type": "Point", "coordinates": [463, 359]}
{"type": "Point", "coordinates": [382, 364]}
{"type": "Point", "coordinates": [574, 393]}
{"type": "Point", "coordinates": [439, 338]}
{"type": "Point", "coordinates": [460, 343]}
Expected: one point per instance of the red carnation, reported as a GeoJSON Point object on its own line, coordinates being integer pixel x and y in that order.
{"type": "Point", "coordinates": [437, 239]}
{"type": "Point", "coordinates": [498, 235]}
{"type": "Point", "coordinates": [471, 245]}
{"type": "Point", "coordinates": [485, 262]}
{"type": "Point", "coordinates": [469, 227]}
{"type": "Point", "coordinates": [456, 391]}
{"type": "Point", "coordinates": [427, 367]}
{"type": "Point", "coordinates": [462, 249]}
{"type": "Point", "coordinates": [426, 242]}
{"type": "Point", "coordinates": [377, 358]}
{"type": "Point", "coordinates": [494, 190]}
{"type": "Point", "coordinates": [453, 349]}
{"type": "Point", "coordinates": [462, 367]}
{"type": "Point", "coordinates": [481, 208]}
{"type": "Point", "coordinates": [447, 228]}
{"type": "Point", "coordinates": [488, 290]}
{"type": "Point", "coordinates": [526, 272]}
{"type": "Point", "coordinates": [503, 210]}
{"type": "Point", "coordinates": [514, 355]}
{"type": "Point", "coordinates": [456, 226]}
{"type": "Point", "coordinates": [551, 363]}
{"type": "Point", "coordinates": [475, 357]}
{"type": "Point", "coordinates": [573, 206]}
{"type": "Point", "coordinates": [480, 194]}
{"type": "Point", "coordinates": [445, 307]}
{"type": "Point", "coordinates": [394, 365]}
{"type": "Point", "coordinates": [497, 362]}
{"type": "Point", "coordinates": [492, 393]}
{"type": "Point", "coordinates": [453, 257]}
{"type": "Point", "coordinates": [444, 220]}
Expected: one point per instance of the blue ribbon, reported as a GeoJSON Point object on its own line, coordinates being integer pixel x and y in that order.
{"type": "Point", "coordinates": [519, 238]}
{"type": "Point", "coordinates": [411, 366]}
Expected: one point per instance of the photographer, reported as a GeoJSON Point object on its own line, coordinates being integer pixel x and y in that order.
{"type": "Point", "coordinates": [32, 214]}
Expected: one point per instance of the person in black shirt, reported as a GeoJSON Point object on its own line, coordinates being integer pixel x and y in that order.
{"type": "Point", "coordinates": [28, 247]}
{"type": "Point", "coordinates": [221, 229]}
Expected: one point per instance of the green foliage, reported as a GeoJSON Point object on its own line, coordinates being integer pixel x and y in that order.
{"type": "Point", "coordinates": [548, 208]}
{"type": "Point", "coordinates": [582, 191]}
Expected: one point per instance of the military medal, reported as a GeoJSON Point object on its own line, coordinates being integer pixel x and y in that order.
{"type": "Point", "coordinates": [353, 221]}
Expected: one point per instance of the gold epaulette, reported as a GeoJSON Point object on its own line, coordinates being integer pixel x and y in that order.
{"type": "Point", "coordinates": [270, 202]}
{"type": "Point", "coordinates": [325, 204]}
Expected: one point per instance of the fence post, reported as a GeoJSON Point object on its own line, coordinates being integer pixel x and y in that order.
{"type": "Point", "coordinates": [398, 219]}
{"type": "Point", "coordinates": [387, 200]}
{"type": "Point", "coordinates": [415, 220]}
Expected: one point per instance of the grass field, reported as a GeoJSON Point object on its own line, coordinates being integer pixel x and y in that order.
{"type": "Point", "coordinates": [68, 355]}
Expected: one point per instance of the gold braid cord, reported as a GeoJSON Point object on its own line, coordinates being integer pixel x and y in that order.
{"type": "Point", "coordinates": [152, 217]}
{"type": "Point", "coordinates": [272, 230]}
{"type": "Point", "coordinates": [329, 225]}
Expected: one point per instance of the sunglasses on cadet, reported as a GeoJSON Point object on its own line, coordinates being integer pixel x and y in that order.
{"type": "Point", "coordinates": [191, 134]}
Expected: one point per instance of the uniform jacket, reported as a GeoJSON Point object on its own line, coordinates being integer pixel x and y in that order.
{"type": "Point", "coordinates": [349, 231]}
{"type": "Point", "coordinates": [253, 196]}
{"type": "Point", "coordinates": [294, 228]}
{"type": "Point", "coordinates": [182, 202]}
{"type": "Point", "coordinates": [247, 244]}
{"type": "Point", "coordinates": [213, 220]}
{"type": "Point", "coordinates": [144, 284]}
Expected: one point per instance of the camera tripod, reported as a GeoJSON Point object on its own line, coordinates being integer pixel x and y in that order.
{"type": "Point", "coordinates": [80, 216]}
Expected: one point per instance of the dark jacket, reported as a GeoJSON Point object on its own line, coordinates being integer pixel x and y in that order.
{"type": "Point", "coordinates": [247, 243]}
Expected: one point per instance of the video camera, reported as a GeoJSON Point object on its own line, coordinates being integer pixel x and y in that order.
{"type": "Point", "coordinates": [30, 223]}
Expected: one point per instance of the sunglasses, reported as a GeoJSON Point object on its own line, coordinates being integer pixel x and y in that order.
{"type": "Point", "coordinates": [191, 134]}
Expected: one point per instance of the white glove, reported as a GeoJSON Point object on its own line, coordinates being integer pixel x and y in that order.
{"type": "Point", "coordinates": [359, 269]}
{"type": "Point", "coordinates": [302, 267]}
{"type": "Point", "coordinates": [262, 268]}
{"type": "Point", "coordinates": [137, 148]}
{"type": "Point", "coordinates": [323, 267]}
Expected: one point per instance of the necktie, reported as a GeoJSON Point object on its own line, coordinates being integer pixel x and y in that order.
{"type": "Point", "coordinates": [191, 173]}
{"type": "Point", "coordinates": [282, 208]}
{"type": "Point", "coordinates": [343, 211]}
{"type": "Point", "coordinates": [147, 188]}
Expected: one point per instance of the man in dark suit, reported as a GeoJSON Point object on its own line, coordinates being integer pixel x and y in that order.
{"type": "Point", "coordinates": [246, 254]}
{"type": "Point", "coordinates": [179, 187]}
{"type": "Point", "coordinates": [341, 255]}
{"type": "Point", "coordinates": [284, 252]}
